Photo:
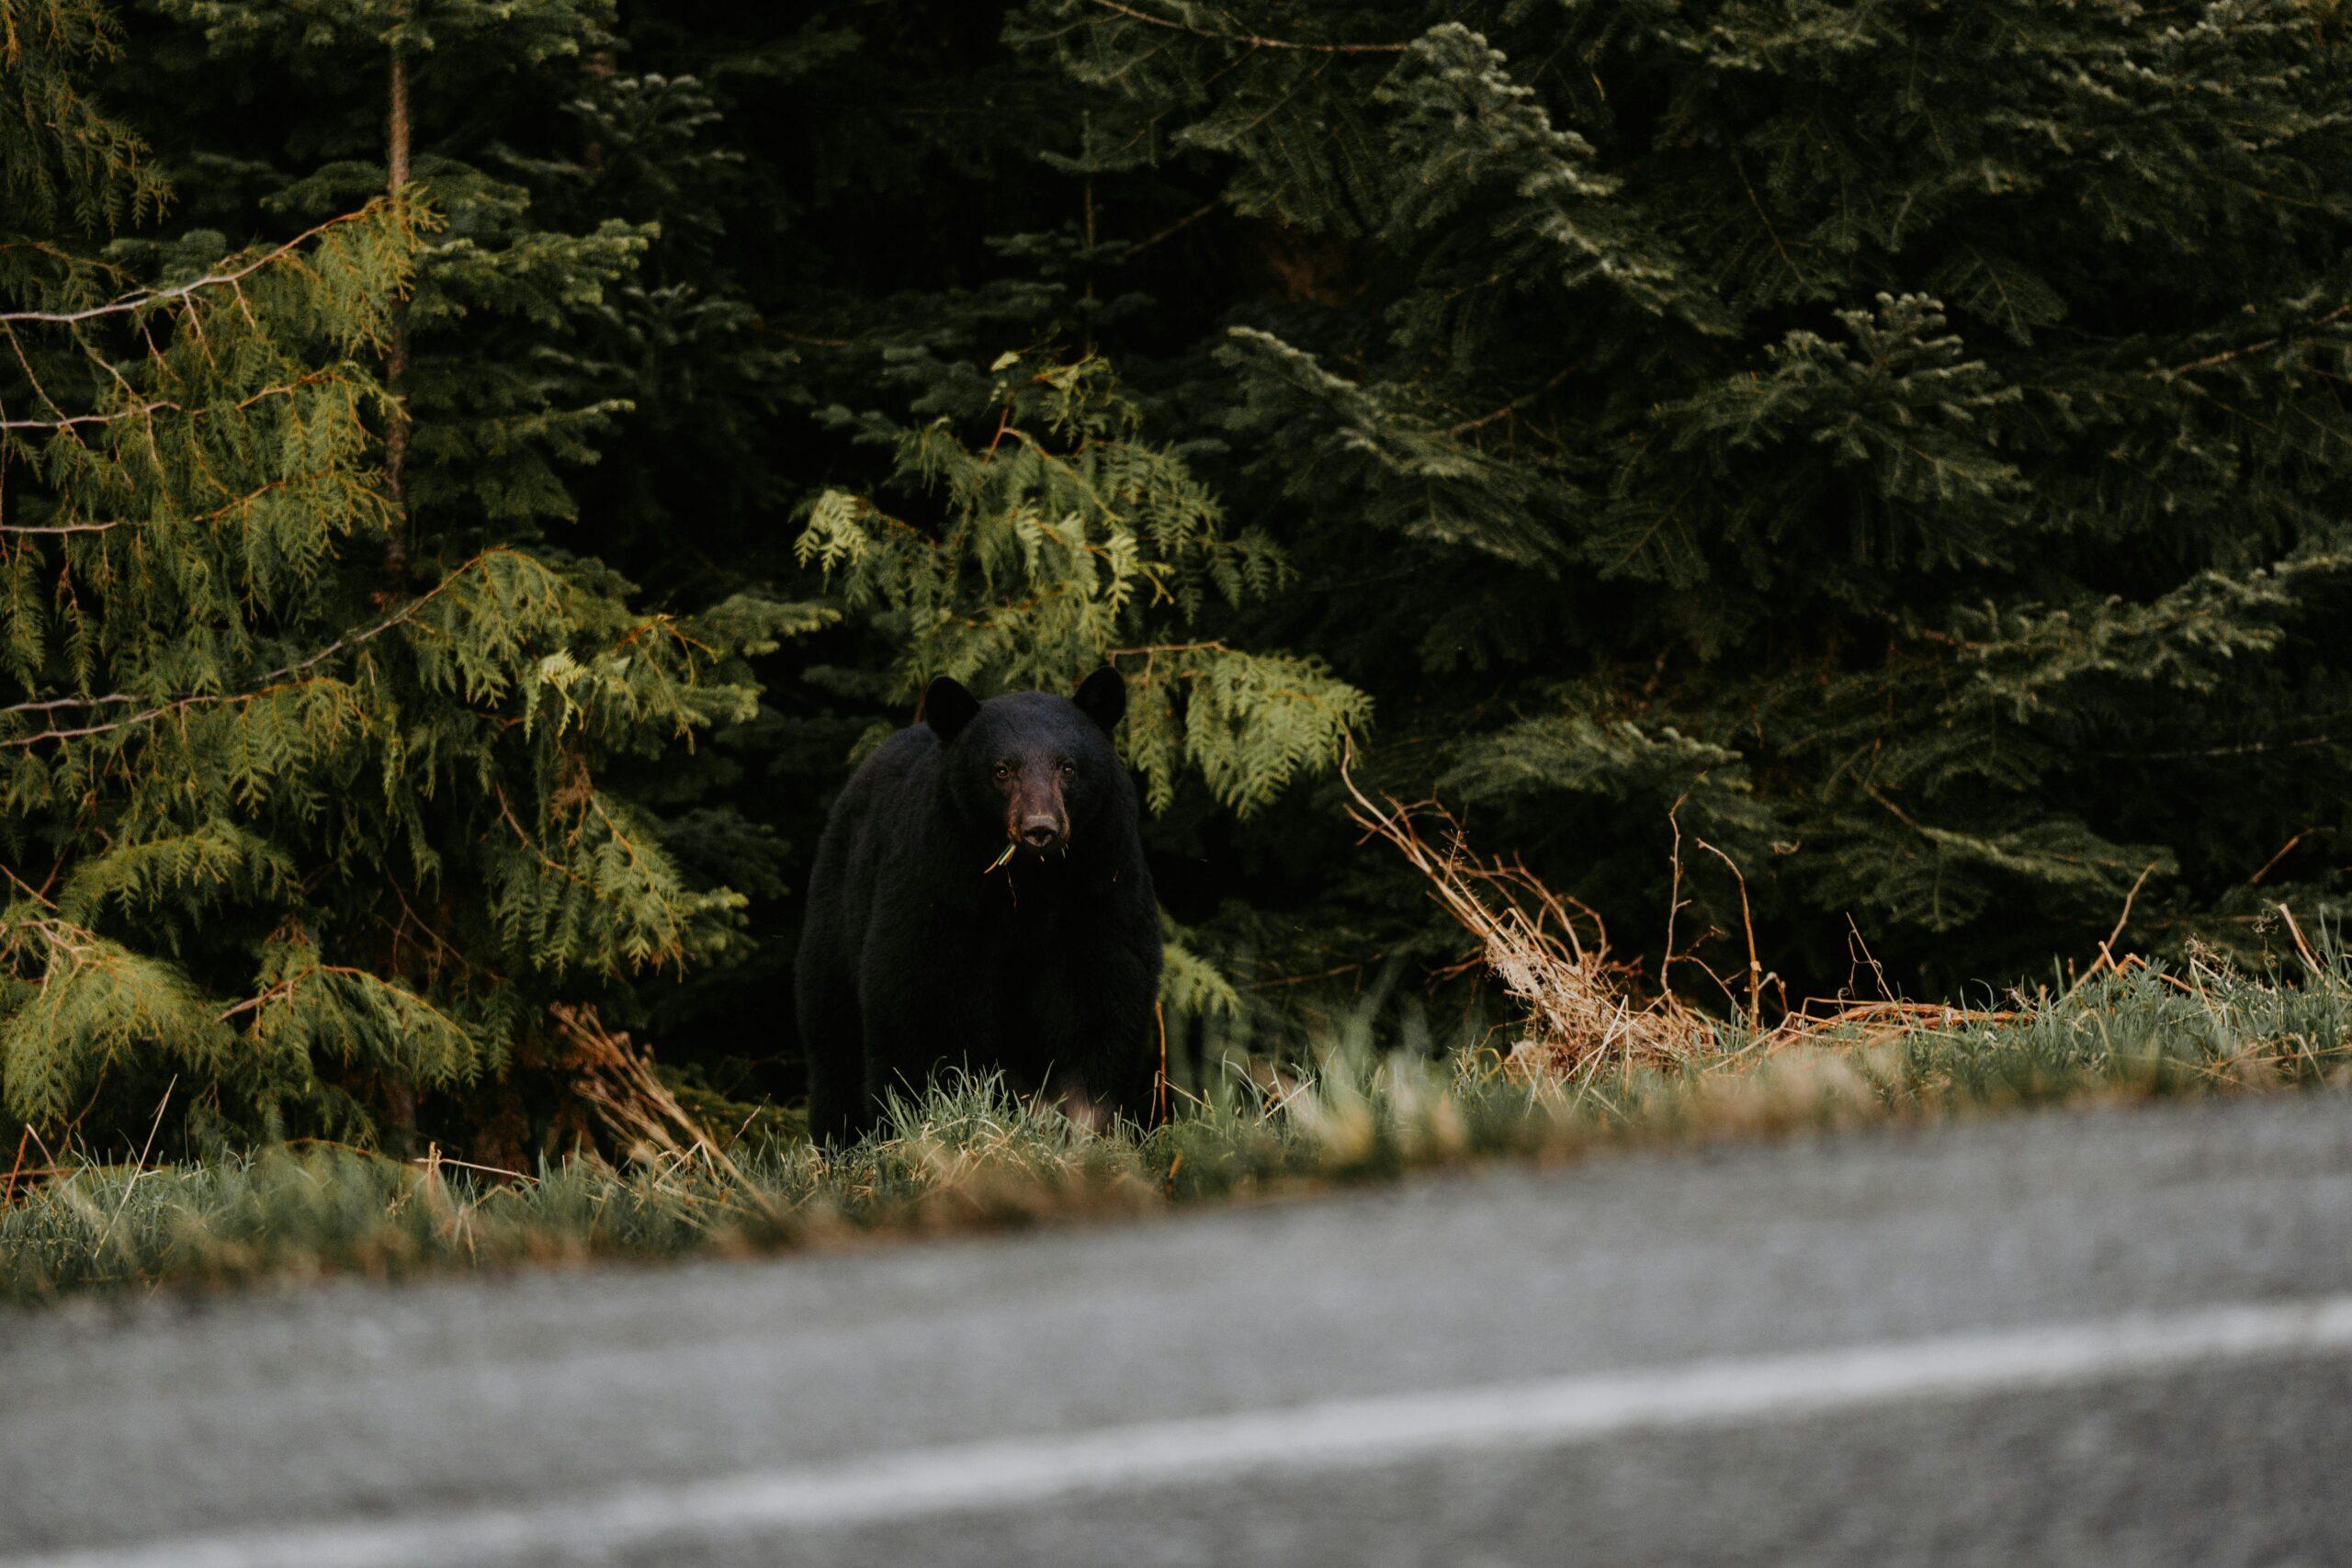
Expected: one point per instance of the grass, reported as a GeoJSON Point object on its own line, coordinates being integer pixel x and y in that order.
{"type": "Point", "coordinates": [968, 1155]}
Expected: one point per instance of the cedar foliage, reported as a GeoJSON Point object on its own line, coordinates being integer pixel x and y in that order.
{"type": "Point", "coordinates": [1070, 542]}
{"type": "Point", "coordinates": [1897, 446]}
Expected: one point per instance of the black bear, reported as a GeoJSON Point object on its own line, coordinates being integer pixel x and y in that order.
{"type": "Point", "coordinates": [981, 899]}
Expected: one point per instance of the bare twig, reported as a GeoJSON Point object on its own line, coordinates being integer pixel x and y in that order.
{"type": "Point", "coordinates": [1858, 954]}
{"type": "Point", "coordinates": [620, 1085]}
{"type": "Point", "coordinates": [1748, 922]}
{"type": "Point", "coordinates": [16, 1168]}
{"type": "Point", "coordinates": [2272, 864]}
{"type": "Point", "coordinates": [1174, 228]}
{"type": "Point", "coordinates": [146, 299]}
{"type": "Point", "coordinates": [2311, 959]}
{"type": "Point", "coordinates": [1673, 893]}
{"type": "Point", "coordinates": [1512, 407]}
{"type": "Point", "coordinates": [2227, 354]}
{"type": "Point", "coordinates": [1252, 39]}
{"type": "Point", "coordinates": [267, 682]}
{"type": "Point", "coordinates": [1159, 1083]}
{"type": "Point", "coordinates": [2106, 959]}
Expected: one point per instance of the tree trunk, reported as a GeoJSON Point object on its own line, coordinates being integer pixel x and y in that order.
{"type": "Point", "coordinates": [396, 152]}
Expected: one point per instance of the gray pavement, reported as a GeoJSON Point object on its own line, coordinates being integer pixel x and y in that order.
{"type": "Point", "coordinates": [2117, 1338]}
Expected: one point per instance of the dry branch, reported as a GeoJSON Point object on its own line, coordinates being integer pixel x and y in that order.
{"type": "Point", "coordinates": [1581, 1013]}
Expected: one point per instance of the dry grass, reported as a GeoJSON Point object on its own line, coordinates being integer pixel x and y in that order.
{"type": "Point", "coordinates": [969, 1154]}
{"type": "Point", "coordinates": [1585, 1014]}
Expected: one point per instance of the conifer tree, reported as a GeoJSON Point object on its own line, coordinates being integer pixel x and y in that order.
{"type": "Point", "coordinates": [502, 396]}
{"type": "Point", "coordinates": [282, 832]}
{"type": "Point", "coordinates": [1902, 445]}
{"type": "Point", "coordinates": [578, 368]}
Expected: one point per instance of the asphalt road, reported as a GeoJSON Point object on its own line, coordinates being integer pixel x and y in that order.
{"type": "Point", "coordinates": [2117, 1338]}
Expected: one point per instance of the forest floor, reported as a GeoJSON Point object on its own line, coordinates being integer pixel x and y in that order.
{"type": "Point", "coordinates": [969, 1156]}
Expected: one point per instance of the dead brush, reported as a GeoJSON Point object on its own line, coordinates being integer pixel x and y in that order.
{"type": "Point", "coordinates": [1581, 1010]}
{"type": "Point", "coordinates": [1584, 1013]}
{"type": "Point", "coordinates": [617, 1081]}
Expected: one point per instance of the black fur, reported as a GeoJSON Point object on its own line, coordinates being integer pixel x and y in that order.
{"type": "Point", "coordinates": [920, 952]}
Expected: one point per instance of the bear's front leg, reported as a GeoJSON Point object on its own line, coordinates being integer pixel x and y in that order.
{"type": "Point", "coordinates": [1118, 1057]}
{"type": "Point", "coordinates": [926, 1010]}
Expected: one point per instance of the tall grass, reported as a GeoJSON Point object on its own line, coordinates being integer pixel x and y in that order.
{"type": "Point", "coordinates": [968, 1154]}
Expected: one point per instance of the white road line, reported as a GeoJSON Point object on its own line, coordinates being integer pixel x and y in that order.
{"type": "Point", "coordinates": [1022, 1472]}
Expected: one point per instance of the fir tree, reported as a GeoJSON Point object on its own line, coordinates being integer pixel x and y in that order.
{"type": "Point", "coordinates": [1907, 436]}
{"type": "Point", "coordinates": [502, 397]}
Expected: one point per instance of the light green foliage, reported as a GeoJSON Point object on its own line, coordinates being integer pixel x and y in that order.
{"type": "Point", "coordinates": [1193, 989]}
{"type": "Point", "coordinates": [74, 1004]}
{"type": "Point", "coordinates": [1067, 541]}
{"type": "Point", "coordinates": [279, 825]}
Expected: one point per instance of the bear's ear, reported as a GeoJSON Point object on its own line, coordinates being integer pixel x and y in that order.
{"type": "Point", "coordinates": [1102, 697]}
{"type": "Point", "coordinates": [947, 708]}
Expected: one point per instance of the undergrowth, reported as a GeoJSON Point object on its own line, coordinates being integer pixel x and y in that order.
{"type": "Point", "coordinates": [967, 1153]}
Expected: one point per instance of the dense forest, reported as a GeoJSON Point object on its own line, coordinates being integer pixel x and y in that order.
{"type": "Point", "coordinates": [1866, 478]}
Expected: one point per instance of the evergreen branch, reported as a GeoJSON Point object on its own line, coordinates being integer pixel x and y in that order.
{"type": "Point", "coordinates": [1254, 41]}
{"type": "Point", "coordinates": [2250, 748]}
{"type": "Point", "coordinates": [1174, 228]}
{"type": "Point", "coordinates": [1512, 407]}
{"type": "Point", "coordinates": [406, 613]}
{"type": "Point", "coordinates": [32, 377]}
{"type": "Point", "coordinates": [523, 834]}
{"type": "Point", "coordinates": [1150, 649]}
{"type": "Point", "coordinates": [285, 989]}
{"type": "Point", "coordinates": [140, 300]}
{"type": "Point", "coordinates": [68, 703]}
{"type": "Point", "coordinates": [1766, 219]}
{"type": "Point", "coordinates": [269, 680]}
{"type": "Point", "coordinates": [233, 505]}
{"type": "Point", "coordinates": [2227, 354]}
{"type": "Point", "coordinates": [39, 894]}
{"type": "Point", "coordinates": [141, 411]}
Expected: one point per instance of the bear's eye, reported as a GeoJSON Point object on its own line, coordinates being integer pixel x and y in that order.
{"type": "Point", "coordinates": [1004, 770]}
{"type": "Point", "coordinates": [1070, 770]}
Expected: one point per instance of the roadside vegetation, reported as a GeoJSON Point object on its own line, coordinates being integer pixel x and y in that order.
{"type": "Point", "coordinates": [970, 1155]}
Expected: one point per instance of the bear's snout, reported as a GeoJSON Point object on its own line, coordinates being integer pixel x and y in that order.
{"type": "Point", "coordinates": [1035, 816]}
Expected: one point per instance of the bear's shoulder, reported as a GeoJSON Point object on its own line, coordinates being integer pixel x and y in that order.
{"type": "Point", "coordinates": [910, 753]}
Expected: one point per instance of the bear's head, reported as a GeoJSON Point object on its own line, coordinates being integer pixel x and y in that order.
{"type": "Point", "coordinates": [1037, 766]}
